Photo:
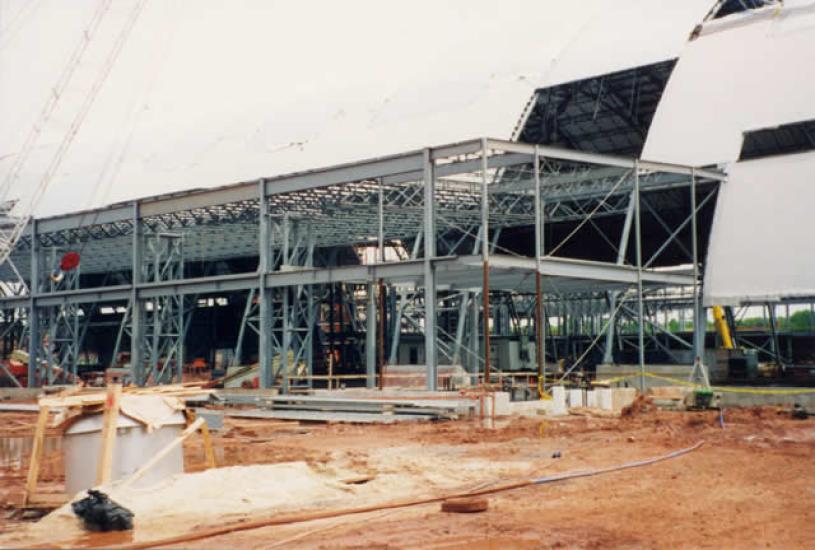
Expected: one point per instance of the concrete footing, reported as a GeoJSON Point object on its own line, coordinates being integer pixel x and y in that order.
{"type": "Point", "coordinates": [559, 407]}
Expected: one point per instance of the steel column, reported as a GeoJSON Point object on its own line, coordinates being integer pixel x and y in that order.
{"type": "Point", "coordinates": [34, 339]}
{"type": "Point", "coordinates": [136, 305]}
{"type": "Point", "coordinates": [540, 336]}
{"type": "Point", "coordinates": [640, 315]}
{"type": "Point", "coordinates": [266, 376]}
{"type": "Point", "coordinates": [430, 273]}
{"type": "Point", "coordinates": [622, 250]}
{"type": "Point", "coordinates": [485, 257]}
{"type": "Point", "coordinates": [370, 338]}
{"type": "Point", "coordinates": [699, 320]}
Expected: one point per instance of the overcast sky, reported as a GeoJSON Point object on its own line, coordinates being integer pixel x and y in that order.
{"type": "Point", "coordinates": [211, 92]}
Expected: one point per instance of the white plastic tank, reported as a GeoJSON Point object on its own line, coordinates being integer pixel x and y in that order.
{"type": "Point", "coordinates": [134, 446]}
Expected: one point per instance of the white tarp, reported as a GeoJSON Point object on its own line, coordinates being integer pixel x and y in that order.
{"type": "Point", "coordinates": [208, 93]}
{"type": "Point", "coordinates": [746, 73]}
{"type": "Point", "coordinates": [761, 241]}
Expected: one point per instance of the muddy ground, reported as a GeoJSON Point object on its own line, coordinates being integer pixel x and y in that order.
{"type": "Point", "coordinates": [752, 484]}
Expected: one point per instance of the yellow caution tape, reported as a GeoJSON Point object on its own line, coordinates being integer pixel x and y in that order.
{"type": "Point", "coordinates": [721, 389]}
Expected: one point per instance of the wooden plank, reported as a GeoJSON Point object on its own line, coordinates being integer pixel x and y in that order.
{"type": "Point", "coordinates": [138, 474]}
{"type": "Point", "coordinates": [19, 407]}
{"type": "Point", "coordinates": [98, 397]}
{"type": "Point", "coordinates": [110, 423]}
{"type": "Point", "coordinates": [36, 455]}
{"type": "Point", "coordinates": [209, 453]}
{"type": "Point", "coordinates": [46, 501]}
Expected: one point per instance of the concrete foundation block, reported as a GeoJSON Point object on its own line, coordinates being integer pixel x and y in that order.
{"type": "Point", "coordinates": [591, 399]}
{"type": "Point", "coordinates": [531, 408]}
{"type": "Point", "coordinates": [501, 402]}
{"type": "Point", "coordinates": [604, 399]}
{"type": "Point", "coordinates": [558, 407]}
{"type": "Point", "coordinates": [622, 397]}
{"type": "Point", "coordinates": [576, 398]}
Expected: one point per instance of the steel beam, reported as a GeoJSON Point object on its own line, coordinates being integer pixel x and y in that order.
{"type": "Point", "coordinates": [266, 323]}
{"type": "Point", "coordinates": [430, 272]}
{"type": "Point", "coordinates": [638, 242]}
{"type": "Point", "coordinates": [136, 304]}
{"type": "Point", "coordinates": [370, 338]}
{"type": "Point", "coordinates": [34, 339]}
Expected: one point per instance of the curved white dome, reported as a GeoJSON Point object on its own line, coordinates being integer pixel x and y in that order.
{"type": "Point", "coordinates": [208, 93]}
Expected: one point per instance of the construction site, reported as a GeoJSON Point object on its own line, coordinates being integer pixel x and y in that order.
{"type": "Point", "coordinates": [572, 306]}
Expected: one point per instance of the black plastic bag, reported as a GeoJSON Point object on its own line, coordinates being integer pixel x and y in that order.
{"type": "Point", "coordinates": [102, 514]}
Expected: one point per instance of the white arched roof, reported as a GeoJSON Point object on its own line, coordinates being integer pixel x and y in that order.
{"type": "Point", "coordinates": [207, 93]}
{"type": "Point", "coordinates": [747, 72]}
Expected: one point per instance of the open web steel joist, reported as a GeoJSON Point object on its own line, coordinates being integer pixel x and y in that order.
{"type": "Point", "coordinates": [465, 241]}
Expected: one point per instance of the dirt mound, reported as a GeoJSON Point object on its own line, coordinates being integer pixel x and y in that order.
{"type": "Point", "coordinates": [640, 406]}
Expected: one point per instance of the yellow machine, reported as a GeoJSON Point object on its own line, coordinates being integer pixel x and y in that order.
{"type": "Point", "coordinates": [722, 328]}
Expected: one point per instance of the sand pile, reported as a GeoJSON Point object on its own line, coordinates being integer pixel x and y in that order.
{"type": "Point", "coordinates": [186, 500]}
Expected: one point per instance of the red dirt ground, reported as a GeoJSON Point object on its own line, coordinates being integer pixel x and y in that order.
{"type": "Point", "coordinates": [752, 485]}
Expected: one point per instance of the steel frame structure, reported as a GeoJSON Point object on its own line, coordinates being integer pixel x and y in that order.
{"type": "Point", "coordinates": [441, 211]}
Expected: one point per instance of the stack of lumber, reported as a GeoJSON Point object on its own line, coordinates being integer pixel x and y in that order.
{"type": "Point", "coordinates": [87, 397]}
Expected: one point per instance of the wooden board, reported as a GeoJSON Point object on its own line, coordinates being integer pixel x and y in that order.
{"type": "Point", "coordinates": [46, 501]}
{"type": "Point", "coordinates": [138, 474]}
{"type": "Point", "coordinates": [109, 426]}
{"type": "Point", "coordinates": [208, 451]}
{"type": "Point", "coordinates": [36, 455]}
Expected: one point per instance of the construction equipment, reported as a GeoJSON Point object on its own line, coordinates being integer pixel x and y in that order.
{"type": "Point", "coordinates": [722, 327]}
{"type": "Point", "coordinates": [12, 230]}
{"type": "Point", "coordinates": [702, 399]}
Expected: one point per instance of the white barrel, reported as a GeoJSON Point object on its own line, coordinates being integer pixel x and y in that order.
{"type": "Point", "coordinates": [134, 446]}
